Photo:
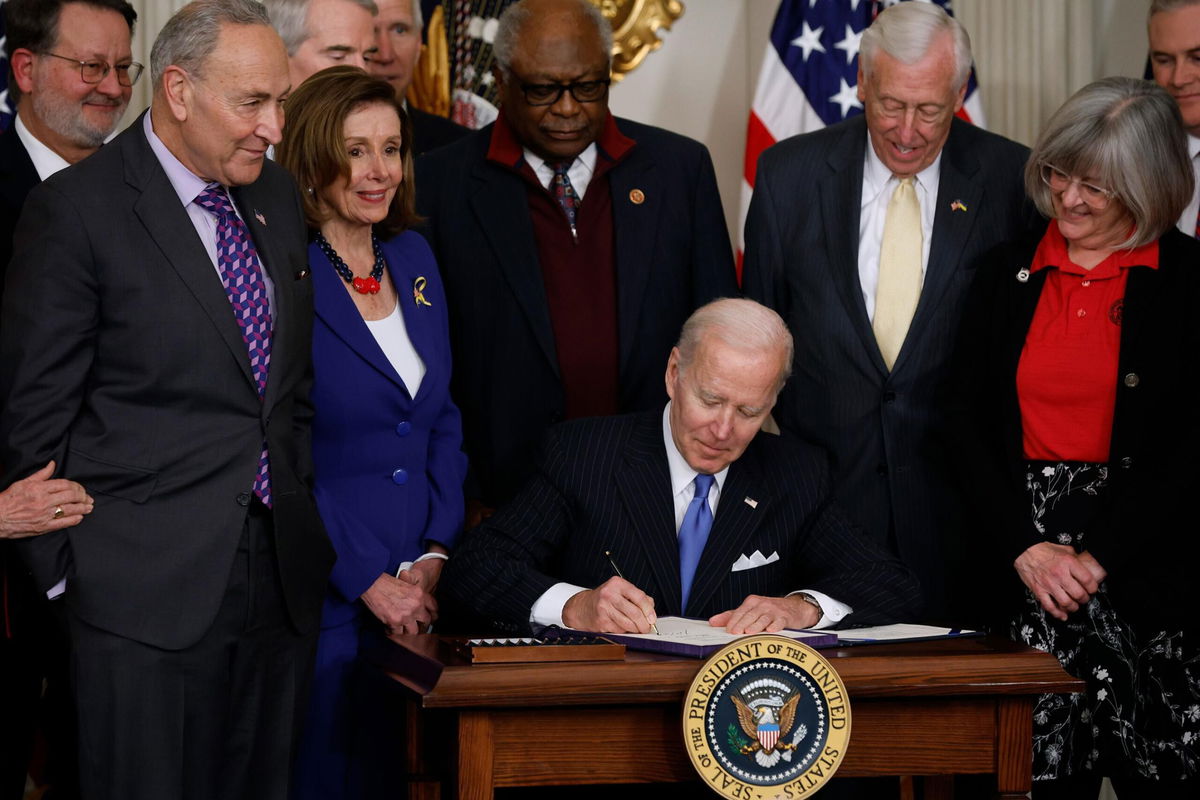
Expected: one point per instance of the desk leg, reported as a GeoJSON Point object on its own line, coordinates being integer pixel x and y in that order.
{"type": "Point", "coordinates": [1014, 747]}
{"type": "Point", "coordinates": [476, 756]}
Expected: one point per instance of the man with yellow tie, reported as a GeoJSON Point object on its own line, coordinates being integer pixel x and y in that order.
{"type": "Point", "coordinates": [862, 236]}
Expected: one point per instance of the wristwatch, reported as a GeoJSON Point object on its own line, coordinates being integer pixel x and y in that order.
{"type": "Point", "coordinates": [812, 601]}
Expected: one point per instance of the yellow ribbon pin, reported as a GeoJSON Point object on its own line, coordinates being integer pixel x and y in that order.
{"type": "Point", "coordinates": [418, 295]}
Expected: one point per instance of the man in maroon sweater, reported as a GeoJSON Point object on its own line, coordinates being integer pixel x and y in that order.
{"type": "Point", "coordinates": [572, 244]}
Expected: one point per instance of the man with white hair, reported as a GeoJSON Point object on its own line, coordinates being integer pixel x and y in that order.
{"type": "Point", "coordinates": [1174, 29]}
{"type": "Point", "coordinates": [705, 516]}
{"type": "Point", "coordinates": [398, 28]}
{"type": "Point", "coordinates": [323, 33]}
{"type": "Point", "coordinates": [862, 235]}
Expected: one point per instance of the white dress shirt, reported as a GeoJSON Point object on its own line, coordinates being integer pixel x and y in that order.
{"type": "Point", "coordinates": [877, 187]}
{"type": "Point", "coordinates": [547, 609]}
{"type": "Point", "coordinates": [45, 161]}
{"type": "Point", "coordinates": [579, 173]}
{"type": "Point", "coordinates": [1187, 222]}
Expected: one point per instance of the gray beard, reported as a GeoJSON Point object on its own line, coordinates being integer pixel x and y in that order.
{"type": "Point", "coordinates": [66, 118]}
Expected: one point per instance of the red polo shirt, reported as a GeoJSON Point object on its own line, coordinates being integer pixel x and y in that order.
{"type": "Point", "coordinates": [1067, 377]}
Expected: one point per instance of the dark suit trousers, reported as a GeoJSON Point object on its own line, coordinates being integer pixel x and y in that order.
{"type": "Point", "coordinates": [214, 721]}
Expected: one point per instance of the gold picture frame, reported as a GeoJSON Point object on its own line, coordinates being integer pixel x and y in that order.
{"type": "Point", "coordinates": [636, 24]}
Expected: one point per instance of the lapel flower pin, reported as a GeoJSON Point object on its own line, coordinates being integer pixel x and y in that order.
{"type": "Point", "coordinates": [262, 220]}
{"type": "Point", "coordinates": [958, 205]}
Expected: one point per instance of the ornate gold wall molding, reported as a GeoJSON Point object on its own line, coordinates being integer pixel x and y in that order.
{"type": "Point", "coordinates": [636, 24]}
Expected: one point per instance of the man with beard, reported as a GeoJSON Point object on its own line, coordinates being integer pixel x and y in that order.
{"type": "Point", "coordinates": [72, 73]}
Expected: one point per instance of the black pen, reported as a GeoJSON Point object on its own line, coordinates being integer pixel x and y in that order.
{"type": "Point", "coordinates": [617, 570]}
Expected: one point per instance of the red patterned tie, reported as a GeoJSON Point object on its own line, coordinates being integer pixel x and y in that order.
{"type": "Point", "coordinates": [242, 277]}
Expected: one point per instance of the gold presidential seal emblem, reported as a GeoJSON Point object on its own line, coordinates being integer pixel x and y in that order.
{"type": "Point", "coordinates": [766, 717]}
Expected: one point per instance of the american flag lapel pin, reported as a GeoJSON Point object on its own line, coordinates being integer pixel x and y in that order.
{"type": "Point", "coordinates": [261, 219]}
{"type": "Point", "coordinates": [750, 501]}
{"type": "Point", "coordinates": [958, 205]}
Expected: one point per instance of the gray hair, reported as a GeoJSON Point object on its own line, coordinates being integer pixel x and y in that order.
{"type": "Point", "coordinates": [289, 19]}
{"type": "Point", "coordinates": [906, 31]}
{"type": "Point", "coordinates": [514, 18]}
{"type": "Point", "coordinates": [1126, 134]}
{"type": "Point", "coordinates": [1159, 6]}
{"type": "Point", "coordinates": [739, 323]}
{"type": "Point", "coordinates": [418, 16]}
{"type": "Point", "coordinates": [190, 35]}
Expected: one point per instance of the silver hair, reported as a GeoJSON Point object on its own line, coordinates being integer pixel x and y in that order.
{"type": "Point", "coordinates": [742, 324]}
{"type": "Point", "coordinates": [906, 31]}
{"type": "Point", "coordinates": [514, 18]}
{"type": "Point", "coordinates": [418, 16]}
{"type": "Point", "coordinates": [1127, 135]}
{"type": "Point", "coordinates": [289, 18]}
{"type": "Point", "coordinates": [190, 35]}
{"type": "Point", "coordinates": [1159, 6]}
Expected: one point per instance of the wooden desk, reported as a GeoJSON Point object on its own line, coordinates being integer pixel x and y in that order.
{"type": "Point", "coordinates": [923, 708]}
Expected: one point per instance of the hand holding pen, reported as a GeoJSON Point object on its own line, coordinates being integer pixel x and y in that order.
{"type": "Point", "coordinates": [616, 606]}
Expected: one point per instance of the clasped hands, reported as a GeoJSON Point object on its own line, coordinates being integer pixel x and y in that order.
{"type": "Point", "coordinates": [617, 606]}
{"type": "Point", "coordinates": [1062, 580]}
{"type": "Point", "coordinates": [405, 603]}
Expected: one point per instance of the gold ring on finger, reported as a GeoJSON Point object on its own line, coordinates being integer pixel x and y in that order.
{"type": "Point", "coordinates": [58, 512]}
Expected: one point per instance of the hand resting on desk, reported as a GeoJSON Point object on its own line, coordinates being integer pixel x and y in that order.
{"type": "Point", "coordinates": [770, 614]}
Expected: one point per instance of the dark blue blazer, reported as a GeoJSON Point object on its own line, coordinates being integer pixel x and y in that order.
{"type": "Point", "coordinates": [389, 466]}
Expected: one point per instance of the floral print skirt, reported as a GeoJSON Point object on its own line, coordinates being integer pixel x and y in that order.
{"type": "Point", "coordinates": [1140, 713]}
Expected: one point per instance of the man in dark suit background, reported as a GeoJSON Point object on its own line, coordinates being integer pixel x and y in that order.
{"type": "Point", "coordinates": [874, 311]}
{"type": "Point", "coordinates": [1173, 28]}
{"type": "Point", "coordinates": [155, 343]}
{"type": "Point", "coordinates": [65, 111]}
{"type": "Point", "coordinates": [772, 551]}
{"type": "Point", "coordinates": [398, 27]}
{"type": "Point", "coordinates": [573, 245]}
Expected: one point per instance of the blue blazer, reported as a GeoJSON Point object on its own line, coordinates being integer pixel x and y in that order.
{"type": "Point", "coordinates": [389, 466]}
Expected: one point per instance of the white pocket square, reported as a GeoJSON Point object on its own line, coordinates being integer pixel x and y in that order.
{"type": "Point", "coordinates": [753, 561]}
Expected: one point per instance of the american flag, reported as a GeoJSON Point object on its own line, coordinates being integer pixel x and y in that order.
{"type": "Point", "coordinates": [6, 109]}
{"type": "Point", "coordinates": [809, 77]}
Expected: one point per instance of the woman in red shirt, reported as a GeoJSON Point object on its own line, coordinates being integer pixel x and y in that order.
{"type": "Point", "coordinates": [1077, 392]}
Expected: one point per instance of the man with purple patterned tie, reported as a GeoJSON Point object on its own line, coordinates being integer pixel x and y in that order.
{"type": "Point", "coordinates": [705, 516]}
{"type": "Point", "coordinates": [155, 343]}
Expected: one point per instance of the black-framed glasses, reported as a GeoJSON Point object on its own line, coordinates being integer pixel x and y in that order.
{"type": "Point", "coordinates": [96, 71]}
{"type": "Point", "coordinates": [547, 94]}
{"type": "Point", "coordinates": [1060, 180]}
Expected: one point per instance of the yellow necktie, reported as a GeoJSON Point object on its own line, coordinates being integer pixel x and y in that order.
{"type": "Point", "coordinates": [899, 285]}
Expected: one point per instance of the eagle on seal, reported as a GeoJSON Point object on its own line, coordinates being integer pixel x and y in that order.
{"type": "Point", "coordinates": [767, 722]}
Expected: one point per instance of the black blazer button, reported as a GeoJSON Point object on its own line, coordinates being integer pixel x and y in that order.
{"type": "Point", "coordinates": [889, 397]}
{"type": "Point", "coordinates": [1126, 462]}
{"type": "Point", "coordinates": [243, 499]}
{"type": "Point", "coordinates": [1132, 379]}
{"type": "Point", "coordinates": [881, 470]}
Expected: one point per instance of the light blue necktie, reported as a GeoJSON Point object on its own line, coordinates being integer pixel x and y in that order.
{"type": "Point", "coordinates": [693, 533]}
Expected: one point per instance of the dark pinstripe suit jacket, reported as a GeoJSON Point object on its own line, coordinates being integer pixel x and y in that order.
{"type": "Point", "coordinates": [603, 484]}
{"type": "Point", "coordinates": [802, 260]}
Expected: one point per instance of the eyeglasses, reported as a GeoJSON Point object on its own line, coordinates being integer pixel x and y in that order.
{"type": "Point", "coordinates": [96, 71]}
{"type": "Point", "coordinates": [1058, 180]}
{"type": "Point", "coordinates": [547, 94]}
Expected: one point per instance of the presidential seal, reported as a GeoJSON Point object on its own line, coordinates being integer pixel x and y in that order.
{"type": "Point", "coordinates": [766, 717]}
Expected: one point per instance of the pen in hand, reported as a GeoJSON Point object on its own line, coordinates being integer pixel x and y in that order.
{"type": "Point", "coordinates": [617, 570]}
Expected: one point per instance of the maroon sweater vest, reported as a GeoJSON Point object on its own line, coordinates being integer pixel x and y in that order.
{"type": "Point", "coordinates": [580, 277]}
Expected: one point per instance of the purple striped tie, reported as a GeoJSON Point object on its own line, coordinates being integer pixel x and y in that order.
{"type": "Point", "coordinates": [242, 277]}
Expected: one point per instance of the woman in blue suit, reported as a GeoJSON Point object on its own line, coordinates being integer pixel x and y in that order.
{"type": "Point", "coordinates": [386, 437]}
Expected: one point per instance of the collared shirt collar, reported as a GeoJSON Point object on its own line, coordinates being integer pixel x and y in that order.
{"type": "Point", "coordinates": [185, 182]}
{"type": "Point", "coordinates": [876, 175]}
{"type": "Point", "coordinates": [1052, 251]}
{"type": "Point", "coordinates": [581, 169]}
{"type": "Point", "coordinates": [1193, 143]}
{"type": "Point", "coordinates": [682, 473]}
{"type": "Point", "coordinates": [45, 161]}
{"type": "Point", "coordinates": [503, 147]}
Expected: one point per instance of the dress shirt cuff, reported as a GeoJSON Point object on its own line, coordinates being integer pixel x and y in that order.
{"type": "Point", "coordinates": [833, 612]}
{"type": "Point", "coordinates": [409, 564]}
{"type": "Point", "coordinates": [547, 609]}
